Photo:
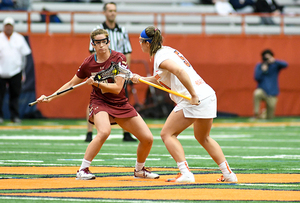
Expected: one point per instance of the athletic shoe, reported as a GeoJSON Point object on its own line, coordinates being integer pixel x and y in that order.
{"type": "Point", "coordinates": [89, 137]}
{"type": "Point", "coordinates": [145, 173]}
{"type": "Point", "coordinates": [16, 120]}
{"type": "Point", "coordinates": [127, 137]}
{"type": "Point", "coordinates": [228, 178]}
{"type": "Point", "coordinates": [183, 178]}
{"type": "Point", "coordinates": [85, 174]}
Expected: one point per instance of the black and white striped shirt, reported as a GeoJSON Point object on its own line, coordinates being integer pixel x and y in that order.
{"type": "Point", "coordinates": [119, 40]}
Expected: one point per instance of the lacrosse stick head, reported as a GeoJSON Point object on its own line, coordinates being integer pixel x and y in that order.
{"type": "Point", "coordinates": [113, 70]}
{"type": "Point", "coordinates": [127, 74]}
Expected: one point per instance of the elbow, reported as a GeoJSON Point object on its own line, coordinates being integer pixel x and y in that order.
{"type": "Point", "coordinates": [179, 72]}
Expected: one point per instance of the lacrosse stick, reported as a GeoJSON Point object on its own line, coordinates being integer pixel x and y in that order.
{"type": "Point", "coordinates": [113, 70]}
{"type": "Point", "coordinates": [58, 93]}
{"type": "Point", "coordinates": [129, 75]}
{"type": "Point", "coordinates": [164, 89]}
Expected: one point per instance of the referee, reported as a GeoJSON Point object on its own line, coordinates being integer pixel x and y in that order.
{"type": "Point", "coordinates": [119, 41]}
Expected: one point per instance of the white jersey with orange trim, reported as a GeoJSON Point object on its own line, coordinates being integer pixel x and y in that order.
{"type": "Point", "coordinates": [170, 81]}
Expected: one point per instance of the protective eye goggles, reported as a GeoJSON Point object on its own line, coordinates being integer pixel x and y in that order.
{"type": "Point", "coordinates": [100, 41]}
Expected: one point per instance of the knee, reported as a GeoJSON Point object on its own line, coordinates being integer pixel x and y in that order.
{"type": "Point", "coordinates": [102, 135]}
{"type": "Point", "coordinates": [258, 92]}
{"type": "Point", "coordinates": [147, 139]}
{"type": "Point", "coordinates": [202, 140]}
{"type": "Point", "coordinates": [164, 135]}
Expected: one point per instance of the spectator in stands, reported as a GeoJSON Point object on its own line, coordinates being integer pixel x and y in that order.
{"type": "Point", "coordinates": [13, 52]}
{"type": "Point", "coordinates": [268, 6]}
{"type": "Point", "coordinates": [119, 41]}
{"type": "Point", "coordinates": [52, 17]}
{"type": "Point", "coordinates": [205, 2]}
{"type": "Point", "coordinates": [223, 7]}
{"type": "Point", "coordinates": [22, 4]}
{"type": "Point", "coordinates": [242, 6]}
{"type": "Point", "coordinates": [7, 4]}
{"type": "Point", "coordinates": [266, 75]}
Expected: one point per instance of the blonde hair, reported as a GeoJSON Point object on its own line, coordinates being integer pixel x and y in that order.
{"type": "Point", "coordinates": [156, 43]}
{"type": "Point", "coordinates": [98, 32]}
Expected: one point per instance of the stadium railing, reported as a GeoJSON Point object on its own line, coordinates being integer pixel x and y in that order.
{"type": "Point", "coordinates": [169, 23]}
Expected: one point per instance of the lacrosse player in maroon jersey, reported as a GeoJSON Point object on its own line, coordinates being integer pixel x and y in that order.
{"type": "Point", "coordinates": [109, 105]}
{"type": "Point", "coordinates": [173, 70]}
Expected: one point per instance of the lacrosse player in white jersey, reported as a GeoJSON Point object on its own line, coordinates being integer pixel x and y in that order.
{"type": "Point", "coordinates": [173, 71]}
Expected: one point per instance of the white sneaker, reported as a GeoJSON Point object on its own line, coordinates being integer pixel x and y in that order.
{"type": "Point", "coordinates": [145, 173]}
{"type": "Point", "coordinates": [183, 178]}
{"type": "Point", "coordinates": [85, 174]}
{"type": "Point", "coordinates": [228, 178]}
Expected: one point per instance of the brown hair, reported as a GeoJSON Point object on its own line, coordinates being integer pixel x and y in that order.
{"type": "Point", "coordinates": [156, 43]}
{"type": "Point", "coordinates": [98, 32]}
{"type": "Point", "coordinates": [104, 6]}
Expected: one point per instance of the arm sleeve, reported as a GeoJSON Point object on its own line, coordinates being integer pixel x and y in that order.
{"type": "Point", "coordinates": [282, 64]}
{"type": "Point", "coordinates": [81, 73]}
{"type": "Point", "coordinates": [25, 50]}
{"type": "Point", "coordinates": [258, 73]}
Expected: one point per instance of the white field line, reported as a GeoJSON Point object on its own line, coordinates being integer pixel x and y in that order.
{"type": "Point", "coordinates": [94, 160]}
{"type": "Point", "coordinates": [269, 185]}
{"type": "Point", "coordinates": [112, 136]}
{"type": "Point", "coordinates": [78, 200]}
{"type": "Point", "coordinates": [154, 146]}
{"type": "Point", "coordinates": [231, 138]}
{"type": "Point", "coordinates": [278, 156]}
{"type": "Point", "coordinates": [23, 161]}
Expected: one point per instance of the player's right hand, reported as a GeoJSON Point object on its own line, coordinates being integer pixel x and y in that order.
{"type": "Point", "coordinates": [42, 99]}
{"type": "Point", "coordinates": [90, 80]}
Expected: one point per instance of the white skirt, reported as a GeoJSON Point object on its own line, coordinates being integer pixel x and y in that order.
{"type": "Point", "coordinates": [206, 109]}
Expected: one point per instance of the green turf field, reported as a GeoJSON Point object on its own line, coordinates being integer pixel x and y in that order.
{"type": "Point", "coordinates": [251, 147]}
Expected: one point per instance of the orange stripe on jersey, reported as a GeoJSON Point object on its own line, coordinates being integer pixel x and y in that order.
{"type": "Point", "coordinates": [157, 76]}
{"type": "Point", "coordinates": [164, 85]}
{"type": "Point", "coordinates": [228, 167]}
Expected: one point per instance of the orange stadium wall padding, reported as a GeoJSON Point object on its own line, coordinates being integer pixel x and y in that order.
{"type": "Point", "coordinates": [224, 62]}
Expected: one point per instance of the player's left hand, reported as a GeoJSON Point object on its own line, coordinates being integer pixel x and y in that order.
{"type": "Point", "coordinates": [135, 78]}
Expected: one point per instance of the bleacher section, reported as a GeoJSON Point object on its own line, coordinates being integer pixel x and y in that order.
{"type": "Point", "coordinates": [172, 16]}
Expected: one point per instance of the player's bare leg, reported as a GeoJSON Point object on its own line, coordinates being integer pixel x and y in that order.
{"type": "Point", "coordinates": [169, 135]}
{"type": "Point", "coordinates": [170, 131]}
{"type": "Point", "coordinates": [102, 123]}
{"type": "Point", "coordinates": [137, 126]}
{"type": "Point", "coordinates": [202, 129]}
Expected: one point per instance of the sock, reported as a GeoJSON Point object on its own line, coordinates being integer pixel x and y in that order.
{"type": "Point", "coordinates": [85, 164]}
{"type": "Point", "coordinates": [225, 168]}
{"type": "Point", "coordinates": [139, 166]}
{"type": "Point", "coordinates": [183, 167]}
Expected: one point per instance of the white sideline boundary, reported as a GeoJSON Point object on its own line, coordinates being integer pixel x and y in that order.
{"type": "Point", "coordinates": [112, 136]}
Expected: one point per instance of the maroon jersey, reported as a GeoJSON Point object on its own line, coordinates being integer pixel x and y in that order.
{"type": "Point", "coordinates": [116, 105]}
{"type": "Point", "coordinates": [91, 67]}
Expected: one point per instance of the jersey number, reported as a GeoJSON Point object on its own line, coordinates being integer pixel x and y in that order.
{"type": "Point", "coordinates": [185, 61]}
